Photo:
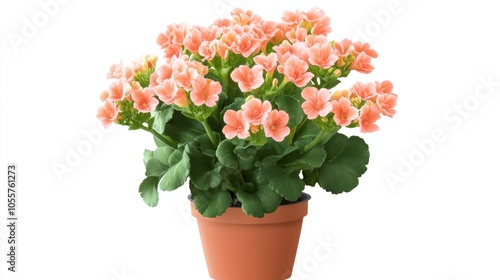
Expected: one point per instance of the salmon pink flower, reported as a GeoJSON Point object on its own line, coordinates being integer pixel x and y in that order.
{"type": "Point", "coordinates": [108, 113]}
{"type": "Point", "coordinates": [336, 95]}
{"type": "Point", "coordinates": [201, 69]}
{"type": "Point", "coordinates": [205, 91]}
{"type": "Point", "coordinates": [118, 90]}
{"type": "Point", "coordinates": [104, 95]}
{"type": "Point", "coordinates": [185, 78]}
{"type": "Point", "coordinates": [153, 79]}
{"type": "Point", "coordinates": [314, 14]}
{"type": "Point", "coordinates": [115, 71]}
{"type": "Point", "coordinates": [144, 100]}
{"type": "Point", "coordinates": [181, 98]}
{"type": "Point", "coordinates": [235, 125]}
{"type": "Point", "coordinates": [248, 79]}
{"type": "Point", "coordinates": [170, 93]}
{"type": "Point", "coordinates": [209, 33]}
{"type": "Point", "coordinates": [362, 63]}
{"type": "Point", "coordinates": [295, 70]}
{"type": "Point", "coordinates": [242, 17]}
{"type": "Point", "coordinates": [360, 47]}
{"type": "Point", "coordinates": [193, 40]}
{"type": "Point", "coordinates": [321, 26]}
{"type": "Point", "coordinates": [229, 38]}
{"type": "Point", "coordinates": [208, 49]}
{"type": "Point", "coordinates": [312, 40]}
{"type": "Point", "coordinates": [368, 115]}
{"type": "Point", "coordinates": [364, 91]}
{"type": "Point", "coordinates": [268, 28]}
{"type": "Point", "coordinates": [246, 44]}
{"type": "Point", "coordinates": [343, 112]}
{"type": "Point", "coordinates": [275, 125]}
{"type": "Point", "coordinates": [163, 73]}
{"type": "Point", "coordinates": [317, 102]}
{"type": "Point", "coordinates": [322, 56]}
{"type": "Point", "coordinates": [343, 48]}
{"type": "Point", "coordinates": [296, 35]}
{"type": "Point", "coordinates": [284, 51]}
{"type": "Point", "coordinates": [383, 87]}
{"type": "Point", "coordinates": [292, 18]}
{"type": "Point", "coordinates": [386, 103]}
{"type": "Point", "coordinates": [280, 35]}
{"type": "Point", "coordinates": [268, 63]}
{"type": "Point", "coordinates": [255, 111]}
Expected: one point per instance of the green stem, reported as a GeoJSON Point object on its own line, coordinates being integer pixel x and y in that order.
{"type": "Point", "coordinates": [295, 129]}
{"type": "Point", "coordinates": [163, 138]}
{"type": "Point", "coordinates": [210, 132]}
{"type": "Point", "coordinates": [321, 138]}
{"type": "Point", "coordinates": [224, 76]}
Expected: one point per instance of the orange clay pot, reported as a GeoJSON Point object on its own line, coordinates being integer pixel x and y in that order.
{"type": "Point", "coordinates": [241, 247]}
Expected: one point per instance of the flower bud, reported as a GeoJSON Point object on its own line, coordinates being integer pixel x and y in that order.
{"type": "Point", "coordinates": [275, 82]}
{"type": "Point", "coordinates": [248, 98]}
{"type": "Point", "coordinates": [254, 128]}
{"type": "Point", "coordinates": [149, 61]}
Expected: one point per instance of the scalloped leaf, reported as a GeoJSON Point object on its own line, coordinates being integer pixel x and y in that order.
{"type": "Point", "coordinates": [289, 186]}
{"type": "Point", "coordinates": [346, 160]}
{"type": "Point", "coordinates": [161, 117]}
{"type": "Point", "coordinates": [211, 203]}
{"type": "Point", "coordinates": [149, 191]}
{"type": "Point", "coordinates": [225, 154]}
{"type": "Point", "coordinates": [177, 173]}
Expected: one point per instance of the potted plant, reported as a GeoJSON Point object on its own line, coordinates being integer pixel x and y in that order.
{"type": "Point", "coordinates": [245, 112]}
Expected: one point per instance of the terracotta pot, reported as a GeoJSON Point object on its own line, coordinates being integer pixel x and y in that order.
{"type": "Point", "coordinates": [241, 247]}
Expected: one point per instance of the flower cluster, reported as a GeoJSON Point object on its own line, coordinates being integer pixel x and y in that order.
{"type": "Point", "coordinates": [243, 88]}
{"type": "Point", "coordinates": [254, 116]}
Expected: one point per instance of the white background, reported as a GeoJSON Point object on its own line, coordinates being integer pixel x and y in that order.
{"type": "Point", "coordinates": [440, 221]}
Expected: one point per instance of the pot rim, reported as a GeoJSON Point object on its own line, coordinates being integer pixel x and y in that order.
{"type": "Point", "coordinates": [235, 215]}
{"type": "Point", "coordinates": [303, 198]}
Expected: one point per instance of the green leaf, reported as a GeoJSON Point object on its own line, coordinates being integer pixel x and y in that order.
{"type": "Point", "coordinates": [272, 152]}
{"type": "Point", "coordinates": [246, 156]}
{"type": "Point", "coordinates": [346, 160]}
{"type": "Point", "coordinates": [311, 177]}
{"type": "Point", "coordinates": [288, 186]}
{"type": "Point", "coordinates": [251, 204]}
{"type": "Point", "coordinates": [149, 192]}
{"type": "Point", "coordinates": [293, 107]}
{"type": "Point", "coordinates": [163, 154]}
{"type": "Point", "coordinates": [211, 203]}
{"type": "Point", "coordinates": [269, 198]}
{"type": "Point", "coordinates": [161, 117]}
{"type": "Point", "coordinates": [147, 155]}
{"type": "Point", "coordinates": [225, 154]}
{"type": "Point", "coordinates": [236, 105]}
{"type": "Point", "coordinates": [183, 129]}
{"type": "Point", "coordinates": [204, 145]}
{"type": "Point", "coordinates": [308, 130]}
{"type": "Point", "coordinates": [312, 159]}
{"type": "Point", "coordinates": [203, 173]}
{"type": "Point", "coordinates": [177, 173]}
{"type": "Point", "coordinates": [155, 168]}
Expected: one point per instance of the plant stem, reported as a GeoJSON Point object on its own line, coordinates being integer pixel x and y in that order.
{"type": "Point", "coordinates": [224, 76]}
{"type": "Point", "coordinates": [163, 138]}
{"type": "Point", "coordinates": [321, 138]}
{"type": "Point", "coordinates": [210, 132]}
{"type": "Point", "coordinates": [297, 128]}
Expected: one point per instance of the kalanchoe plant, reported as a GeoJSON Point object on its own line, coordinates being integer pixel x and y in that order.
{"type": "Point", "coordinates": [245, 110]}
